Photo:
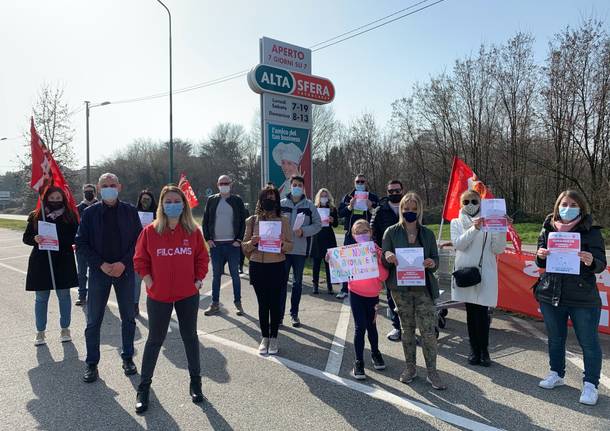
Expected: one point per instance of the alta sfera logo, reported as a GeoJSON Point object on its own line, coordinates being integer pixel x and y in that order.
{"type": "Point", "coordinates": [269, 79]}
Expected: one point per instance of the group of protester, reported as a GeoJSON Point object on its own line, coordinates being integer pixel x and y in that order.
{"type": "Point", "coordinates": [171, 256]}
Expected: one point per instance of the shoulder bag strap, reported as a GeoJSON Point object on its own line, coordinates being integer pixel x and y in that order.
{"type": "Point", "coordinates": [482, 251]}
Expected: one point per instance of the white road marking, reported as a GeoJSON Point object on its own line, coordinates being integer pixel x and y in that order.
{"type": "Point", "coordinates": [380, 394]}
{"type": "Point", "coordinates": [4, 265]}
{"type": "Point", "coordinates": [335, 355]}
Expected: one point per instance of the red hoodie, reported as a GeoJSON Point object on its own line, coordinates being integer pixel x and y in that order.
{"type": "Point", "coordinates": [174, 260]}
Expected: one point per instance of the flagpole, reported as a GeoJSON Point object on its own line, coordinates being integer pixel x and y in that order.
{"type": "Point", "coordinates": [48, 251]}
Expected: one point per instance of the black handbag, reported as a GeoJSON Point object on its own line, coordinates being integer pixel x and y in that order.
{"type": "Point", "coordinates": [471, 275]}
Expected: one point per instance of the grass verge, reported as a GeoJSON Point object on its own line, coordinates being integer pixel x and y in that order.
{"type": "Point", "coordinates": [13, 224]}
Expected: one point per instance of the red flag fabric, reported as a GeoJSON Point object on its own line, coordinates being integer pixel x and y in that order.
{"type": "Point", "coordinates": [45, 171]}
{"type": "Point", "coordinates": [186, 188]}
{"type": "Point", "coordinates": [463, 178]}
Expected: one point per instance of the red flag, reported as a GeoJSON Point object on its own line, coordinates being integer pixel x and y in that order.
{"type": "Point", "coordinates": [45, 171]}
{"type": "Point", "coordinates": [186, 188]}
{"type": "Point", "coordinates": [462, 179]}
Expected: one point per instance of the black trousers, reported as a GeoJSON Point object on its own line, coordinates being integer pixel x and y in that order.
{"type": "Point", "coordinates": [267, 280]}
{"type": "Point", "coordinates": [477, 318]}
{"type": "Point", "coordinates": [317, 265]}
{"type": "Point", "coordinates": [159, 315]}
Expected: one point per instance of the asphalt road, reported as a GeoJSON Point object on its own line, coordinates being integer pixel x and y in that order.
{"type": "Point", "coordinates": [302, 388]}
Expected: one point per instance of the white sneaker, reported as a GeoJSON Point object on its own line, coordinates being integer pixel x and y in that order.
{"type": "Point", "coordinates": [263, 349]}
{"type": "Point", "coordinates": [341, 295]}
{"type": "Point", "coordinates": [39, 341]}
{"type": "Point", "coordinates": [65, 336]}
{"type": "Point", "coordinates": [394, 335]}
{"type": "Point", "coordinates": [589, 394]}
{"type": "Point", "coordinates": [273, 346]}
{"type": "Point", "coordinates": [552, 380]}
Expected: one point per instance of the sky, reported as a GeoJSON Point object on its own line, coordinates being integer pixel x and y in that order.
{"type": "Point", "coordinates": [114, 50]}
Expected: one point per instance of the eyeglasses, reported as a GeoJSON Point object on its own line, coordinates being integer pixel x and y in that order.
{"type": "Point", "coordinates": [394, 191]}
{"type": "Point", "coordinates": [360, 181]}
{"type": "Point", "coordinates": [470, 201]}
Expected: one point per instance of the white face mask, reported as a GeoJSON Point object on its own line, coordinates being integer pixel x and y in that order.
{"type": "Point", "coordinates": [471, 209]}
{"type": "Point", "coordinates": [323, 201]}
{"type": "Point", "coordinates": [224, 189]}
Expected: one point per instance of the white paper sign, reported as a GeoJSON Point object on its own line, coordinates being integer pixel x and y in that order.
{"type": "Point", "coordinates": [353, 262]}
{"type": "Point", "coordinates": [563, 250]}
{"type": "Point", "coordinates": [48, 236]}
{"type": "Point", "coordinates": [324, 216]}
{"type": "Point", "coordinates": [270, 233]}
{"type": "Point", "coordinates": [298, 221]}
{"type": "Point", "coordinates": [410, 270]}
{"type": "Point", "coordinates": [146, 218]}
{"type": "Point", "coordinates": [493, 212]}
{"type": "Point", "coordinates": [361, 201]}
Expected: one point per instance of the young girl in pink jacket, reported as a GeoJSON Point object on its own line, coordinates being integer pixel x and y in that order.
{"type": "Point", "coordinates": [364, 297]}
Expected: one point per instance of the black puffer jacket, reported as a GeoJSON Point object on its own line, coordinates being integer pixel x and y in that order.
{"type": "Point", "coordinates": [567, 289]}
{"type": "Point", "coordinates": [383, 217]}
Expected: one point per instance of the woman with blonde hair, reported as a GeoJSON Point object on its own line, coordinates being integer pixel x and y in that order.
{"type": "Point", "coordinates": [476, 249]}
{"type": "Point", "coordinates": [324, 239]}
{"type": "Point", "coordinates": [172, 259]}
{"type": "Point", "coordinates": [572, 295]}
{"type": "Point", "coordinates": [414, 304]}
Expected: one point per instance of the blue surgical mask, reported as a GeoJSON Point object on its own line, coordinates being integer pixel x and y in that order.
{"type": "Point", "coordinates": [109, 193]}
{"type": "Point", "coordinates": [568, 213]}
{"type": "Point", "coordinates": [361, 187]}
{"type": "Point", "coordinates": [297, 192]}
{"type": "Point", "coordinates": [173, 210]}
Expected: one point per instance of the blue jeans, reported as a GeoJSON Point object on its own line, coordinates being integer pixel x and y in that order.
{"type": "Point", "coordinates": [221, 254]}
{"type": "Point", "coordinates": [42, 304]}
{"type": "Point", "coordinates": [137, 288]}
{"type": "Point", "coordinates": [99, 291]}
{"type": "Point", "coordinates": [585, 321]}
{"type": "Point", "coordinates": [82, 266]}
{"type": "Point", "coordinates": [297, 263]}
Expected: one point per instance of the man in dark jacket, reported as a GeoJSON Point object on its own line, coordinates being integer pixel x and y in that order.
{"type": "Point", "coordinates": [224, 224]}
{"type": "Point", "coordinates": [384, 216]}
{"type": "Point", "coordinates": [89, 199]}
{"type": "Point", "coordinates": [107, 237]}
{"type": "Point", "coordinates": [351, 210]}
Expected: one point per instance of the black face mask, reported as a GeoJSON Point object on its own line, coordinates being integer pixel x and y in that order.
{"type": "Point", "coordinates": [89, 195]}
{"type": "Point", "coordinates": [409, 216]}
{"type": "Point", "coordinates": [394, 198]}
{"type": "Point", "coordinates": [268, 204]}
{"type": "Point", "coordinates": [54, 206]}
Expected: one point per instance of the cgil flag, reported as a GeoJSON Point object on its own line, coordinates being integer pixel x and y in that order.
{"type": "Point", "coordinates": [463, 178]}
{"type": "Point", "coordinates": [45, 171]}
{"type": "Point", "coordinates": [186, 188]}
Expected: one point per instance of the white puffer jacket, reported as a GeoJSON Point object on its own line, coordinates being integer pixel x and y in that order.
{"type": "Point", "coordinates": [468, 242]}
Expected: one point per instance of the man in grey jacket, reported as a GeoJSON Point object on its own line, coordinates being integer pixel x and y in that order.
{"type": "Point", "coordinates": [303, 212]}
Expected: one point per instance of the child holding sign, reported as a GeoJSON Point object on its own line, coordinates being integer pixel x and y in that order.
{"type": "Point", "coordinates": [363, 298]}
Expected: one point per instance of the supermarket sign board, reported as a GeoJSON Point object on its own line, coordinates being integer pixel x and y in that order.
{"type": "Point", "coordinates": [269, 79]}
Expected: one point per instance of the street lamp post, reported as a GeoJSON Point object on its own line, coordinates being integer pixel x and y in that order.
{"type": "Point", "coordinates": [88, 106]}
{"type": "Point", "coordinates": [171, 131]}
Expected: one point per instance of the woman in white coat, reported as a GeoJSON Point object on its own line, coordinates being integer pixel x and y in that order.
{"type": "Point", "coordinates": [469, 242]}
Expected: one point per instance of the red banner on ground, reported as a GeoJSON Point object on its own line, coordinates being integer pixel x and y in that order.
{"type": "Point", "coordinates": [517, 273]}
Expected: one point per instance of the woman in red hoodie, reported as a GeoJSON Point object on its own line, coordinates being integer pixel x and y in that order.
{"type": "Point", "coordinates": [363, 299]}
{"type": "Point", "coordinates": [172, 260]}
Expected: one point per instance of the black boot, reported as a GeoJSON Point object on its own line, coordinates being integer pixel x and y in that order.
{"type": "Point", "coordinates": [474, 358]}
{"type": "Point", "coordinates": [315, 288]}
{"type": "Point", "coordinates": [195, 389]}
{"type": "Point", "coordinates": [485, 359]}
{"type": "Point", "coordinates": [142, 398]}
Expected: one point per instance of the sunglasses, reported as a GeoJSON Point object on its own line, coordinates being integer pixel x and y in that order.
{"type": "Point", "coordinates": [224, 184]}
{"type": "Point", "coordinates": [470, 201]}
{"type": "Point", "coordinates": [394, 191]}
{"type": "Point", "coordinates": [361, 182]}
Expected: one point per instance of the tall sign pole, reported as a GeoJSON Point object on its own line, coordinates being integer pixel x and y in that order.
{"type": "Point", "coordinates": [287, 88]}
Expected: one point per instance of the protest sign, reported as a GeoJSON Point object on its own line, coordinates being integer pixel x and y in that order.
{"type": "Point", "coordinates": [493, 212]}
{"type": "Point", "coordinates": [324, 216]}
{"type": "Point", "coordinates": [410, 270]}
{"type": "Point", "coordinates": [48, 236]}
{"type": "Point", "coordinates": [563, 250]}
{"type": "Point", "coordinates": [353, 262]}
{"type": "Point", "coordinates": [361, 201]}
{"type": "Point", "coordinates": [146, 218]}
{"type": "Point", "coordinates": [270, 236]}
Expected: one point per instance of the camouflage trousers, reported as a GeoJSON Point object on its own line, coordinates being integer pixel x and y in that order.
{"type": "Point", "coordinates": [415, 308]}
